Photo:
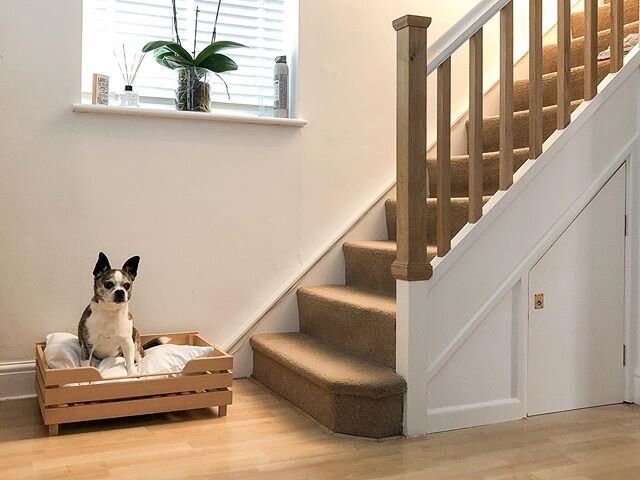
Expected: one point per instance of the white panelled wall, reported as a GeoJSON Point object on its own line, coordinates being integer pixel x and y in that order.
{"type": "Point", "coordinates": [477, 301]}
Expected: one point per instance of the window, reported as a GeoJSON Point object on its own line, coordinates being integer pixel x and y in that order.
{"type": "Point", "coordinates": [259, 24]}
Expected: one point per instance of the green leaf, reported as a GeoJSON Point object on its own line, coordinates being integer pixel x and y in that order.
{"type": "Point", "coordinates": [155, 44]}
{"type": "Point", "coordinates": [172, 61]}
{"type": "Point", "coordinates": [173, 46]}
{"type": "Point", "coordinates": [218, 63]}
{"type": "Point", "coordinates": [214, 48]}
{"type": "Point", "coordinates": [162, 52]}
{"type": "Point", "coordinates": [181, 52]}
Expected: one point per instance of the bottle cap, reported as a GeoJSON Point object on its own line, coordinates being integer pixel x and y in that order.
{"type": "Point", "coordinates": [281, 59]}
{"type": "Point", "coordinates": [128, 88]}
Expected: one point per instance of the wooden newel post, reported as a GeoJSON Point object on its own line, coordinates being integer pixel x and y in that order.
{"type": "Point", "coordinates": [411, 147]}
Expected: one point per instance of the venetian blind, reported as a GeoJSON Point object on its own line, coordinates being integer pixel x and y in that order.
{"type": "Point", "coordinates": [258, 24]}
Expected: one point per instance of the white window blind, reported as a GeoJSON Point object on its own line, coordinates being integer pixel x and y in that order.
{"type": "Point", "coordinates": [258, 24]}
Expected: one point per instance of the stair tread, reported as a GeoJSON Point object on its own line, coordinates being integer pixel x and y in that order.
{"type": "Point", "coordinates": [386, 246]}
{"type": "Point", "coordinates": [550, 83]}
{"type": "Point", "coordinates": [550, 51]}
{"type": "Point", "coordinates": [338, 372]}
{"type": "Point", "coordinates": [525, 113]}
{"type": "Point", "coordinates": [485, 155]}
{"type": "Point", "coordinates": [460, 172]}
{"type": "Point", "coordinates": [353, 297]}
{"type": "Point", "coordinates": [604, 17]}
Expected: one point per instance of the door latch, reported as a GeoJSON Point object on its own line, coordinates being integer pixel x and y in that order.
{"type": "Point", "coordinates": [538, 301]}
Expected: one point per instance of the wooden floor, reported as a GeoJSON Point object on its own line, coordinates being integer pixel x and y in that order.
{"type": "Point", "coordinates": [263, 438]}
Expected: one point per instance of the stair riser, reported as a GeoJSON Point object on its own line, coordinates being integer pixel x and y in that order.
{"type": "Point", "coordinates": [550, 87]}
{"type": "Point", "coordinates": [366, 333]}
{"type": "Point", "coordinates": [460, 173]}
{"type": "Point", "coordinates": [351, 415]}
{"type": "Point", "coordinates": [550, 52]}
{"type": "Point", "coordinates": [459, 218]}
{"type": "Point", "coordinates": [604, 18]}
{"type": "Point", "coordinates": [370, 270]}
{"type": "Point", "coordinates": [491, 128]}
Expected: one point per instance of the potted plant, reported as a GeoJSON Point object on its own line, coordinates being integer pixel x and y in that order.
{"type": "Point", "coordinates": [194, 70]}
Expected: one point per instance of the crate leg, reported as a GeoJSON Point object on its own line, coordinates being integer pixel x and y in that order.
{"type": "Point", "coordinates": [222, 411]}
{"type": "Point", "coordinates": [53, 430]}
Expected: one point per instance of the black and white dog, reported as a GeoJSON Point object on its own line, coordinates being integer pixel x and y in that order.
{"type": "Point", "coordinates": [106, 327]}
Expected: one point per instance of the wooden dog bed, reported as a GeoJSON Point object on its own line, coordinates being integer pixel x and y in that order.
{"type": "Point", "coordinates": [203, 382]}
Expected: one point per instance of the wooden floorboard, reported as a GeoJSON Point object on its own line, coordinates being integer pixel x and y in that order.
{"type": "Point", "coordinates": [263, 438]}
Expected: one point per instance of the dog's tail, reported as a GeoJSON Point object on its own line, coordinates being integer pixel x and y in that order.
{"type": "Point", "coordinates": [155, 342]}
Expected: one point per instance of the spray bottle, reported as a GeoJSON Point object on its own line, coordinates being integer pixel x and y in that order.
{"type": "Point", "coordinates": [281, 88]}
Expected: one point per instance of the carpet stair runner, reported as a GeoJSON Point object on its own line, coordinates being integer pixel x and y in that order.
{"type": "Point", "coordinates": [339, 368]}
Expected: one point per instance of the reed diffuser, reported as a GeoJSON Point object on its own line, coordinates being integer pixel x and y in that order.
{"type": "Point", "coordinates": [129, 70]}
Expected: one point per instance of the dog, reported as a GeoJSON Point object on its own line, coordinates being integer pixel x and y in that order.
{"type": "Point", "coordinates": [106, 327]}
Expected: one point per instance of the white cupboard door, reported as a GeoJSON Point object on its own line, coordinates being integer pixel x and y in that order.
{"type": "Point", "coordinates": [576, 339]}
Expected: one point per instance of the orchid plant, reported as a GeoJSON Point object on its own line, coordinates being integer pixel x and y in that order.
{"type": "Point", "coordinates": [171, 54]}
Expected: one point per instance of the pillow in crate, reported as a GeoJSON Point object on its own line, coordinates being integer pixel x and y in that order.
{"type": "Point", "coordinates": [63, 351]}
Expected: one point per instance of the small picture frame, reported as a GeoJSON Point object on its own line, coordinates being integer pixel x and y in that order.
{"type": "Point", "coordinates": [100, 89]}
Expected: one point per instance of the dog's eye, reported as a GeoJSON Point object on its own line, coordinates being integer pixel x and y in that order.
{"type": "Point", "coordinates": [127, 286]}
{"type": "Point", "coordinates": [108, 285]}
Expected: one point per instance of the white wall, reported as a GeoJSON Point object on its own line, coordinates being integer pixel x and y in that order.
{"type": "Point", "coordinates": [222, 215]}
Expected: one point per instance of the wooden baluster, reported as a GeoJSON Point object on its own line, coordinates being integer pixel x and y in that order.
{"type": "Point", "coordinates": [475, 127]}
{"type": "Point", "coordinates": [617, 35]}
{"type": "Point", "coordinates": [590, 49]}
{"type": "Point", "coordinates": [535, 79]}
{"type": "Point", "coordinates": [443, 212]}
{"type": "Point", "coordinates": [506, 96]}
{"type": "Point", "coordinates": [564, 63]}
{"type": "Point", "coordinates": [411, 150]}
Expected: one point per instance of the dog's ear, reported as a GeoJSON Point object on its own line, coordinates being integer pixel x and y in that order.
{"type": "Point", "coordinates": [130, 267]}
{"type": "Point", "coordinates": [102, 265]}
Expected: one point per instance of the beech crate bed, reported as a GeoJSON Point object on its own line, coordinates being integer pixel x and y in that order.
{"type": "Point", "coordinates": [81, 394]}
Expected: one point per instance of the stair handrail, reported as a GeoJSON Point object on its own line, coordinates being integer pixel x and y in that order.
{"type": "Point", "coordinates": [411, 259]}
{"type": "Point", "coordinates": [461, 31]}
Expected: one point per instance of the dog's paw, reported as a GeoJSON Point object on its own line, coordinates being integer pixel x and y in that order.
{"type": "Point", "coordinates": [132, 370]}
{"type": "Point", "coordinates": [85, 363]}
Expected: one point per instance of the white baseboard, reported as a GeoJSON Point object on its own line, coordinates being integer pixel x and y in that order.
{"type": "Point", "coordinates": [17, 380]}
{"type": "Point", "coordinates": [474, 414]}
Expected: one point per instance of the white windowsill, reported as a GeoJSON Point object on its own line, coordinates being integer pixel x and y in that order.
{"type": "Point", "coordinates": [207, 117]}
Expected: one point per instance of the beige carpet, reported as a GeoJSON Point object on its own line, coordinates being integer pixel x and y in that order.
{"type": "Point", "coordinates": [340, 367]}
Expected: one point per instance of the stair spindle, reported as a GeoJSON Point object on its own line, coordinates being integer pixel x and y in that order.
{"type": "Point", "coordinates": [475, 127]}
{"type": "Point", "coordinates": [411, 150]}
{"type": "Point", "coordinates": [590, 49]}
{"type": "Point", "coordinates": [617, 35]}
{"type": "Point", "coordinates": [506, 96]}
{"type": "Point", "coordinates": [535, 79]}
{"type": "Point", "coordinates": [564, 63]}
{"type": "Point", "coordinates": [443, 209]}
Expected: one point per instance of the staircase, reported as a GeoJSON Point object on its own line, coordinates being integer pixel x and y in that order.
{"type": "Point", "coordinates": [340, 367]}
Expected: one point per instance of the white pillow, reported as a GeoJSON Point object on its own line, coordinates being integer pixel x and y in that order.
{"type": "Point", "coordinates": [63, 351]}
{"type": "Point", "coordinates": [170, 358]}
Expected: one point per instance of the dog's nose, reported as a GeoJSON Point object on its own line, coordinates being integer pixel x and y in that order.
{"type": "Point", "coordinates": [119, 296]}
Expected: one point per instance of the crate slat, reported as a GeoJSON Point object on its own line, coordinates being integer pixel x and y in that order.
{"type": "Point", "coordinates": [209, 364]}
{"type": "Point", "coordinates": [143, 406]}
{"type": "Point", "coordinates": [144, 388]}
{"type": "Point", "coordinates": [62, 376]}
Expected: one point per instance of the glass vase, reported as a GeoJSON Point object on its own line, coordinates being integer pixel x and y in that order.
{"type": "Point", "coordinates": [194, 92]}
